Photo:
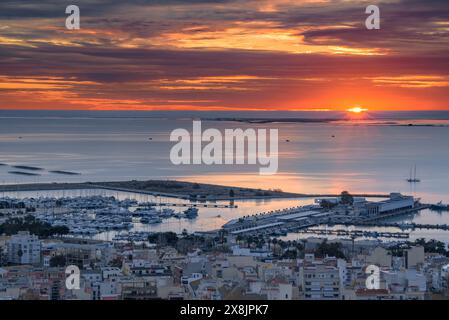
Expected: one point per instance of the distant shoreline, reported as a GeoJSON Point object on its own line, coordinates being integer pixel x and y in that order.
{"type": "Point", "coordinates": [274, 120]}
{"type": "Point", "coordinates": [377, 122]}
{"type": "Point", "coordinates": [175, 189]}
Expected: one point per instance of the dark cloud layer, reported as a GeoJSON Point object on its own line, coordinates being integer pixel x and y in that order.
{"type": "Point", "coordinates": [208, 53]}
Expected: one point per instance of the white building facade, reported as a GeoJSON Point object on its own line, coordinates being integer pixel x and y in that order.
{"type": "Point", "coordinates": [24, 248]}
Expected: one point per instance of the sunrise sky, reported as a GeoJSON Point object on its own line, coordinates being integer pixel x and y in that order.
{"type": "Point", "coordinates": [224, 55]}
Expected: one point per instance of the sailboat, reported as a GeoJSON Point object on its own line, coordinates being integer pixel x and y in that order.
{"type": "Point", "coordinates": [413, 178]}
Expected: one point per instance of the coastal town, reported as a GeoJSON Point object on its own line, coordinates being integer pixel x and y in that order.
{"type": "Point", "coordinates": [248, 258]}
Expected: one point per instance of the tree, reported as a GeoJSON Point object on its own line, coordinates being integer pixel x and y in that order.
{"type": "Point", "coordinates": [33, 225]}
{"type": "Point", "coordinates": [432, 246]}
{"type": "Point", "coordinates": [346, 198]}
{"type": "Point", "coordinates": [330, 249]}
{"type": "Point", "coordinates": [117, 262]}
{"type": "Point", "coordinates": [58, 261]}
{"type": "Point", "coordinates": [163, 238]}
{"type": "Point", "coordinates": [290, 254]}
{"type": "Point", "coordinates": [326, 204]}
{"type": "Point", "coordinates": [299, 246]}
{"type": "Point", "coordinates": [2, 257]}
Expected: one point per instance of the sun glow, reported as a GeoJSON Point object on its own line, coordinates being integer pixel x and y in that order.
{"type": "Point", "coordinates": [357, 110]}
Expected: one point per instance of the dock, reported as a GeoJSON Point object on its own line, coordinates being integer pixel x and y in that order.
{"type": "Point", "coordinates": [190, 205]}
{"type": "Point", "coordinates": [357, 233]}
{"type": "Point", "coordinates": [286, 220]}
{"type": "Point", "coordinates": [151, 193]}
{"type": "Point", "coordinates": [439, 207]}
{"type": "Point", "coordinates": [416, 208]}
{"type": "Point", "coordinates": [301, 219]}
{"type": "Point", "coordinates": [407, 226]}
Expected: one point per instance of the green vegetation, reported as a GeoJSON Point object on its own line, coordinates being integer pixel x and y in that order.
{"type": "Point", "coordinates": [346, 198]}
{"type": "Point", "coordinates": [325, 204]}
{"type": "Point", "coordinates": [34, 226]}
{"type": "Point", "coordinates": [163, 238]}
{"type": "Point", "coordinates": [58, 261]}
{"type": "Point", "coordinates": [330, 249]}
{"type": "Point", "coordinates": [186, 242]}
{"type": "Point", "coordinates": [117, 262]}
{"type": "Point", "coordinates": [431, 246]}
{"type": "Point", "coordinates": [251, 241]}
{"type": "Point", "coordinates": [8, 205]}
{"type": "Point", "coordinates": [2, 257]}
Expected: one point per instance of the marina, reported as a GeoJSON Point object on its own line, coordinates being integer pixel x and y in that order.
{"type": "Point", "coordinates": [106, 214]}
{"type": "Point", "coordinates": [94, 215]}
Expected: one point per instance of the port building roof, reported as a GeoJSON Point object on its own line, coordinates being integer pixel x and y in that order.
{"type": "Point", "coordinates": [258, 227]}
{"type": "Point", "coordinates": [298, 215]}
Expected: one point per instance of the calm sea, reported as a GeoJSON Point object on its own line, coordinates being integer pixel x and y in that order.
{"type": "Point", "coordinates": [369, 155]}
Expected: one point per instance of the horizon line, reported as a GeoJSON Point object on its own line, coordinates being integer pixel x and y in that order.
{"type": "Point", "coordinates": [228, 110]}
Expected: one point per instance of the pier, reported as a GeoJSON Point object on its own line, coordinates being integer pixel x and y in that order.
{"type": "Point", "coordinates": [357, 233]}
{"type": "Point", "coordinates": [301, 219]}
{"type": "Point", "coordinates": [416, 208]}
{"type": "Point", "coordinates": [151, 193]}
{"type": "Point", "coordinates": [190, 205]}
{"type": "Point", "coordinates": [406, 226]}
{"type": "Point", "coordinates": [277, 222]}
{"type": "Point", "coordinates": [439, 207]}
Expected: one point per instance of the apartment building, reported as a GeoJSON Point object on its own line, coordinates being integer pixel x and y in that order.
{"type": "Point", "coordinates": [320, 279]}
{"type": "Point", "coordinates": [24, 248]}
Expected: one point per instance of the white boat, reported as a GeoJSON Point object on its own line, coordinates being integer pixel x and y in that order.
{"type": "Point", "coordinates": [147, 220]}
{"type": "Point", "coordinates": [191, 213]}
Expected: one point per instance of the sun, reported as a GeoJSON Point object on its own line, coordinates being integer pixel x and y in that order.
{"type": "Point", "coordinates": [356, 113]}
{"type": "Point", "coordinates": [356, 110]}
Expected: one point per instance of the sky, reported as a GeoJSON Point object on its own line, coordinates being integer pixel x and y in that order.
{"type": "Point", "coordinates": [224, 55]}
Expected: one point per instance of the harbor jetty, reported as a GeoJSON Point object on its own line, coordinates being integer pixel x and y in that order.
{"type": "Point", "coordinates": [175, 189]}
{"type": "Point", "coordinates": [359, 211]}
{"type": "Point", "coordinates": [192, 205]}
{"type": "Point", "coordinates": [439, 207]}
{"type": "Point", "coordinates": [357, 233]}
{"type": "Point", "coordinates": [405, 226]}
